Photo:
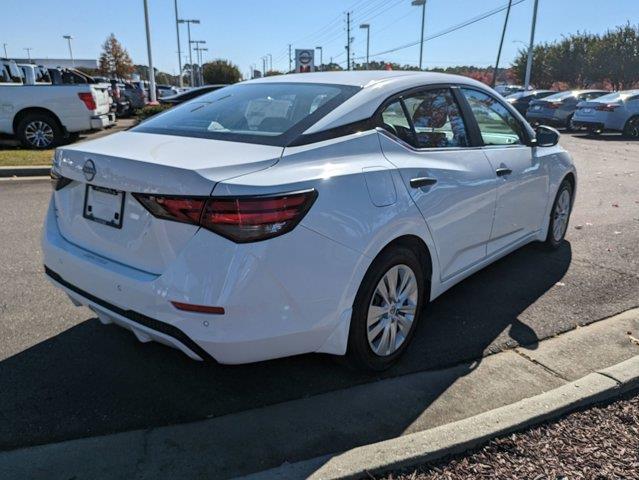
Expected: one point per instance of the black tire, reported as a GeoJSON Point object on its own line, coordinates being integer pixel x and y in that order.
{"type": "Point", "coordinates": [552, 242]}
{"type": "Point", "coordinates": [39, 131]}
{"type": "Point", "coordinates": [569, 125]}
{"type": "Point", "coordinates": [360, 354]}
{"type": "Point", "coordinates": [631, 128]}
{"type": "Point", "coordinates": [70, 138]}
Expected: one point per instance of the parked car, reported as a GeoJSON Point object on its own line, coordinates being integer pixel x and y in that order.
{"type": "Point", "coordinates": [558, 109]}
{"type": "Point", "coordinates": [521, 100]}
{"type": "Point", "coordinates": [505, 89]}
{"type": "Point", "coordinates": [165, 91]}
{"type": "Point", "coordinates": [10, 73]}
{"type": "Point", "coordinates": [34, 74]}
{"type": "Point", "coordinates": [618, 111]}
{"type": "Point", "coordinates": [189, 94]}
{"type": "Point", "coordinates": [43, 116]}
{"type": "Point", "coordinates": [135, 96]}
{"type": "Point", "coordinates": [122, 106]}
{"type": "Point", "coordinates": [65, 76]}
{"type": "Point", "coordinates": [315, 213]}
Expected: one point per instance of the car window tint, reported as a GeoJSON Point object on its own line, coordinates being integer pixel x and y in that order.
{"type": "Point", "coordinates": [496, 124]}
{"type": "Point", "coordinates": [437, 119]}
{"type": "Point", "coordinates": [394, 121]}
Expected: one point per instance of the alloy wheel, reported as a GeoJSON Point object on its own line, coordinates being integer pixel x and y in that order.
{"type": "Point", "coordinates": [392, 310]}
{"type": "Point", "coordinates": [39, 133]}
{"type": "Point", "coordinates": [560, 216]}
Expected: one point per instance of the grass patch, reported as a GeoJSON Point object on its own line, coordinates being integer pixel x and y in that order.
{"type": "Point", "coordinates": [18, 157]}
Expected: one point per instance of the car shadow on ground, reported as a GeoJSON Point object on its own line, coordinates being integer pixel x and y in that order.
{"type": "Point", "coordinates": [92, 379]}
{"type": "Point", "coordinates": [604, 137]}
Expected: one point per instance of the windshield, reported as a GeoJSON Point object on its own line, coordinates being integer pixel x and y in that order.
{"type": "Point", "coordinates": [267, 113]}
{"type": "Point", "coordinates": [558, 97]}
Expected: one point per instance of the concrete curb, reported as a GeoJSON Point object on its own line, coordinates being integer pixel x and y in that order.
{"type": "Point", "coordinates": [34, 171]}
{"type": "Point", "coordinates": [417, 448]}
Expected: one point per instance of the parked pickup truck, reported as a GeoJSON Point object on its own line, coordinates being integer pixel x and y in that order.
{"type": "Point", "coordinates": [44, 116]}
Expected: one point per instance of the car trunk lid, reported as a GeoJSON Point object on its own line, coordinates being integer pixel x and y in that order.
{"type": "Point", "coordinates": [110, 222]}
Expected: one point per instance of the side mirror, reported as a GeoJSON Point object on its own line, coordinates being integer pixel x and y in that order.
{"type": "Point", "coordinates": [545, 136]}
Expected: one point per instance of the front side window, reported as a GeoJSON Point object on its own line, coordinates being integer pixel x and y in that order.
{"type": "Point", "coordinates": [496, 124]}
{"type": "Point", "coordinates": [434, 120]}
{"type": "Point", "coordinates": [267, 113]}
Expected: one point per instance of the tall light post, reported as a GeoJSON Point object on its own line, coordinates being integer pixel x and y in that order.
{"type": "Point", "coordinates": [368, 39]}
{"type": "Point", "coordinates": [152, 92]}
{"type": "Point", "coordinates": [179, 52]}
{"type": "Point", "coordinates": [197, 45]}
{"type": "Point", "coordinates": [421, 3]}
{"type": "Point", "coordinates": [5, 50]}
{"type": "Point", "coordinates": [270, 61]}
{"type": "Point", "coordinates": [321, 50]}
{"type": "Point", "coordinates": [69, 38]}
{"type": "Point", "coordinates": [200, 57]}
{"type": "Point", "coordinates": [28, 49]}
{"type": "Point", "coordinates": [264, 66]}
{"type": "Point", "coordinates": [530, 46]}
{"type": "Point", "coordinates": [188, 29]}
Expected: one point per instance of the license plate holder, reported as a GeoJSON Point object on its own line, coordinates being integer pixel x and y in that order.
{"type": "Point", "coordinates": [104, 205]}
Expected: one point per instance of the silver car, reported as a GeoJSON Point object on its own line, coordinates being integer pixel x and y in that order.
{"type": "Point", "coordinates": [557, 110]}
{"type": "Point", "coordinates": [618, 111]}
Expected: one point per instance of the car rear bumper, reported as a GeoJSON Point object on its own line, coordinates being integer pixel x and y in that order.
{"type": "Point", "coordinates": [545, 120]}
{"type": "Point", "coordinates": [98, 122]}
{"type": "Point", "coordinates": [589, 125]}
{"type": "Point", "coordinates": [274, 307]}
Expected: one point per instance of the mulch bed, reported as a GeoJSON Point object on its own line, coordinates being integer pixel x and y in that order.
{"type": "Point", "coordinates": [599, 443]}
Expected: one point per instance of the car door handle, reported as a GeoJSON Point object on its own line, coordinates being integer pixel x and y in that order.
{"type": "Point", "coordinates": [420, 182]}
{"type": "Point", "coordinates": [503, 171]}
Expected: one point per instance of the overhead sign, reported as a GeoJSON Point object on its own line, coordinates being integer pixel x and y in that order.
{"type": "Point", "coordinates": [304, 60]}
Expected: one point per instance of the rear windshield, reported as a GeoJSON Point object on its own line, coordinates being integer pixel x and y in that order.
{"type": "Point", "coordinates": [617, 96]}
{"type": "Point", "coordinates": [558, 97]}
{"type": "Point", "coordinates": [267, 113]}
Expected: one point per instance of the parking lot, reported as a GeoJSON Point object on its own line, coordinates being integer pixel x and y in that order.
{"type": "Point", "coordinates": [65, 376]}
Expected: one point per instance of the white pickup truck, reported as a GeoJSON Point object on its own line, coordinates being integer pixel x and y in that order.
{"type": "Point", "coordinates": [44, 116]}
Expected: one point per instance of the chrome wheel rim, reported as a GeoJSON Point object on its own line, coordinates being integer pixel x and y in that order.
{"type": "Point", "coordinates": [39, 133]}
{"type": "Point", "coordinates": [634, 128]}
{"type": "Point", "coordinates": [392, 309]}
{"type": "Point", "coordinates": [560, 215]}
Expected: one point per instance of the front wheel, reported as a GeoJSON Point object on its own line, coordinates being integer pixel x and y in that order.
{"type": "Point", "coordinates": [559, 216]}
{"type": "Point", "coordinates": [387, 309]}
{"type": "Point", "coordinates": [570, 124]}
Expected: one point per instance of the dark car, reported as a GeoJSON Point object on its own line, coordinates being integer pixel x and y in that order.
{"type": "Point", "coordinates": [521, 100]}
{"type": "Point", "coordinates": [557, 109]}
{"type": "Point", "coordinates": [120, 101]}
{"type": "Point", "coordinates": [189, 94]}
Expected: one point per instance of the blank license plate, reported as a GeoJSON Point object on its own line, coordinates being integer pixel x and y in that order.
{"type": "Point", "coordinates": [104, 205]}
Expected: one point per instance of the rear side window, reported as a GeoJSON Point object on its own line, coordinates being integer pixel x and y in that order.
{"type": "Point", "coordinates": [496, 124]}
{"type": "Point", "coordinates": [267, 113]}
{"type": "Point", "coordinates": [434, 120]}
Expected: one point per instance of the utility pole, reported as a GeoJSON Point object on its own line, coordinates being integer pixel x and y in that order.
{"type": "Point", "coordinates": [348, 40]}
{"type": "Point", "coordinates": [197, 57]}
{"type": "Point", "coordinates": [5, 50]}
{"type": "Point", "coordinates": [290, 59]}
{"type": "Point", "coordinates": [29, 53]}
{"type": "Point", "coordinates": [69, 38]}
{"type": "Point", "coordinates": [202, 64]}
{"type": "Point", "coordinates": [501, 43]}
{"type": "Point", "coordinates": [264, 58]}
{"type": "Point", "coordinates": [530, 47]}
{"type": "Point", "coordinates": [177, 31]}
{"type": "Point", "coordinates": [321, 57]}
{"type": "Point", "coordinates": [148, 47]}
{"type": "Point", "coordinates": [421, 3]}
{"type": "Point", "coordinates": [368, 39]}
{"type": "Point", "coordinates": [188, 29]}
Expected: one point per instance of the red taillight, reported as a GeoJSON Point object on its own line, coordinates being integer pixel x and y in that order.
{"type": "Point", "coordinates": [87, 98]}
{"type": "Point", "coordinates": [554, 105]}
{"type": "Point", "coordinates": [606, 108]}
{"type": "Point", "coordinates": [240, 219]}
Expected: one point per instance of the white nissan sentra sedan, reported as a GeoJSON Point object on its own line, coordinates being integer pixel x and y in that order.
{"type": "Point", "coordinates": [302, 213]}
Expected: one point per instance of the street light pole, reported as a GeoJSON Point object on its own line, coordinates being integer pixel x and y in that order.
{"type": "Point", "coordinates": [368, 39]}
{"type": "Point", "coordinates": [197, 45]}
{"type": "Point", "coordinates": [69, 38]}
{"type": "Point", "coordinates": [270, 59]}
{"type": "Point", "coordinates": [29, 53]}
{"type": "Point", "coordinates": [5, 50]}
{"type": "Point", "coordinates": [148, 47]}
{"type": "Point", "coordinates": [321, 55]}
{"type": "Point", "coordinates": [530, 47]}
{"type": "Point", "coordinates": [421, 3]}
{"type": "Point", "coordinates": [188, 29]}
{"type": "Point", "coordinates": [501, 44]}
{"type": "Point", "coordinates": [177, 31]}
{"type": "Point", "coordinates": [202, 64]}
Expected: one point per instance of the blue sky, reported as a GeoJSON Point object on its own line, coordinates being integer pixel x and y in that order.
{"type": "Point", "coordinates": [244, 31]}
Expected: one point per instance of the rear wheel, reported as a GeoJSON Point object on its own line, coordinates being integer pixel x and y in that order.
{"type": "Point", "coordinates": [39, 131]}
{"type": "Point", "coordinates": [570, 125]}
{"type": "Point", "coordinates": [631, 129]}
{"type": "Point", "coordinates": [559, 216]}
{"type": "Point", "coordinates": [387, 309]}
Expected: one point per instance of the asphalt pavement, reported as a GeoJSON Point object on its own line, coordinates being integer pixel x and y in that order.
{"type": "Point", "coordinates": [64, 376]}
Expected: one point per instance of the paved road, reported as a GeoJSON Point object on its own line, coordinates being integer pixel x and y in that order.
{"type": "Point", "coordinates": [63, 375]}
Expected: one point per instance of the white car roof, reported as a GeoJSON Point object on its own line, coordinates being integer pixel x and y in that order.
{"type": "Point", "coordinates": [377, 86]}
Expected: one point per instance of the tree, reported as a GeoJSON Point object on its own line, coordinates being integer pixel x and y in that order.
{"type": "Point", "coordinates": [272, 73]}
{"type": "Point", "coordinates": [221, 71]}
{"type": "Point", "coordinates": [114, 59]}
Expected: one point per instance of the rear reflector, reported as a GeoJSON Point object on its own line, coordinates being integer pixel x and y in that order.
{"type": "Point", "coordinates": [87, 98]}
{"type": "Point", "coordinates": [240, 219]}
{"type": "Point", "coordinates": [187, 307]}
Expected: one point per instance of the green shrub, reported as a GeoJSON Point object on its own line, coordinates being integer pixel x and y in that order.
{"type": "Point", "coordinates": [150, 110]}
